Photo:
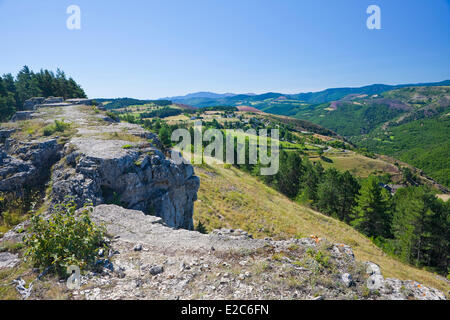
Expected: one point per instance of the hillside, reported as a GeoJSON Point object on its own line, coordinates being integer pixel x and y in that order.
{"type": "Point", "coordinates": [320, 169]}
{"type": "Point", "coordinates": [143, 199]}
{"type": "Point", "coordinates": [230, 198]}
{"type": "Point", "coordinates": [411, 124]}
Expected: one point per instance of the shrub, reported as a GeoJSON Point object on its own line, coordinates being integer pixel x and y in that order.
{"type": "Point", "coordinates": [67, 238]}
{"type": "Point", "coordinates": [201, 228]}
{"type": "Point", "coordinates": [58, 126]}
{"type": "Point", "coordinates": [113, 116]}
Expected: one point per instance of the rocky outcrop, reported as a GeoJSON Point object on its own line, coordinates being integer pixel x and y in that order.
{"type": "Point", "coordinates": [149, 260]}
{"type": "Point", "coordinates": [80, 101]}
{"type": "Point", "coordinates": [32, 103]}
{"type": "Point", "coordinates": [150, 253]}
{"type": "Point", "coordinates": [139, 177]}
{"type": "Point", "coordinates": [52, 100]}
{"type": "Point", "coordinates": [22, 115]}
{"type": "Point", "coordinates": [8, 260]}
{"type": "Point", "coordinates": [99, 168]}
{"type": "Point", "coordinates": [5, 134]}
{"type": "Point", "coordinates": [27, 164]}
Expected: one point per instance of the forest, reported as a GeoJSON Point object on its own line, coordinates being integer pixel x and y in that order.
{"type": "Point", "coordinates": [14, 91]}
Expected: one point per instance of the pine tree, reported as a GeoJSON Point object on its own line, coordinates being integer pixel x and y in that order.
{"type": "Point", "coordinates": [310, 181]}
{"type": "Point", "coordinates": [328, 193]}
{"type": "Point", "coordinates": [201, 228]}
{"type": "Point", "coordinates": [27, 86]}
{"type": "Point", "coordinates": [420, 227]}
{"type": "Point", "coordinates": [7, 101]}
{"type": "Point", "coordinates": [348, 190]}
{"type": "Point", "coordinates": [289, 174]}
{"type": "Point", "coordinates": [371, 214]}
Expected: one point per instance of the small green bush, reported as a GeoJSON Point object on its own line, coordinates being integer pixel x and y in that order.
{"type": "Point", "coordinates": [201, 228]}
{"type": "Point", "coordinates": [113, 116]}
{"type": "Point", "coordinates": [66, 238]}
{"type": "Point", "coordinates": [58, 126]}
{"type": "Point", "coordinates": [127, 146]}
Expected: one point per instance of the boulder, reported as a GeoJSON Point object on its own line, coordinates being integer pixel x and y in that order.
{"type": "Point", "coordinates": [22, 115]}
{"type": "Point", "coordinates": [31, 104]}
{"type": "Point", "coordinates": [52, 100]}
{"type": "Point", "coordinates": [8, 260]}
{"type": "Point", "coordinates": [375, 282]}
{"type": "Point", "coordinates": [372, 268]}
{"type": "Point", "coordinates": [347, 279]}
{"type": "Point", "coordinates": [156, 270]}
{"type": "Point", "coordinates": [5, 134]}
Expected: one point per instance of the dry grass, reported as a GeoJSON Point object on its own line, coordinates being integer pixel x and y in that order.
{"type": "Point", "coordinates": [119, 136]}
{"type": "Point", "coordinates": [444, 197]}
{"type": "Point", "coordinates": [233, 199]}
{"type": "Point", "coordinates": [357, 164]}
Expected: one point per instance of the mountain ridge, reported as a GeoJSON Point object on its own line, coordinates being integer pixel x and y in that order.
{"type": "Point", "coordinates": [326, 95]}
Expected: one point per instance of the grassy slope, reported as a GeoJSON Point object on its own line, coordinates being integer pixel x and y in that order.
{"type": "Point", "coordinates": [233, 199]}
{"type": "Point", "coordinates": [357, 164]}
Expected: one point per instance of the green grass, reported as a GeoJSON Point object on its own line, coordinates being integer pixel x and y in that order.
{"type": "Point", "coordinates": [56, 127]}
{"type": "Point", "coordinates": [423, 143]}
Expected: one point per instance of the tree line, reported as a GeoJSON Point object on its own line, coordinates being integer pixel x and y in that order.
{"type": "Point", "coordinates": [14, 91]}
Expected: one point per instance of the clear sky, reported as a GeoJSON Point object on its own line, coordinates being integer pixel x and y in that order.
{"type": "Point", "coordinates": [158, 48]}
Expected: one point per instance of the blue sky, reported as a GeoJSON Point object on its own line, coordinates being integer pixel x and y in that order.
{"type": "Point", "coordinates": [158, 48]}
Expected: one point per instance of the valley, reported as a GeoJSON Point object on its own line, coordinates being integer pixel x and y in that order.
{"type": "Point", "coordinates": [335, 187]}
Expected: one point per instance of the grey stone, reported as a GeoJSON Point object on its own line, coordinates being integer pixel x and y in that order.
{"type": "Point", "coordinates": [27, 164]}
{"type": "Point", "coordinates": [8, 260]}
{"type": "Point", "coordinates": [22, 115]}
{"type": "Point", "coordinates": [372, 268]}
{"type": "Point", "coordinates": [52, 100]}
{"type": "Point", "coordinates": [347, 279]}
{"type": "Point", "coordinates": [5, 134]}
{"type": "Point", "coordinates": [102, 170]}
{"type": "Point", "coordinates": [156, 270]}
{"type": "Point", "coordinates": [31, 103]}
{"type": "Point", "coordinates": [375, 282]}
{"type": "Point", "coordinates": [80, 101]}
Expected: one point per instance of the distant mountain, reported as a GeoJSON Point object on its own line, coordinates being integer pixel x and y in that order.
{"type": "Point", "coordinates": [280, 103]}
{"type": "Point", "coordinates": [338, 93]}
{"type": "Point", "coordinates": [202, 94]}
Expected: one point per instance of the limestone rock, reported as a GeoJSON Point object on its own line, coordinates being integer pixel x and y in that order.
{"type": "Point", "coordinates": [5, 134]}
{"type": "Point", "coordinates": [51, 100]}
{"type": "Point", "coordinates": [8, 260]}
{"type": "Point", "coordinates": [32, 103]}
{"type": "Point", "coordinates": [372, 268]}
{"type": "Point", "coordinates": [347, 279]}
{"type": "Point", "coordinates": [27, 163]}
{"type": "Point", "coordinates": [375, 282]}
{"type": "Point", "coordinates": [156, 270]}
{"type": "Point", "coordinates": [139, 178]}
{"type": "Point", "coordinates": [80, 101]}
{"type": "Point", "coordinates": [22, 115]}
